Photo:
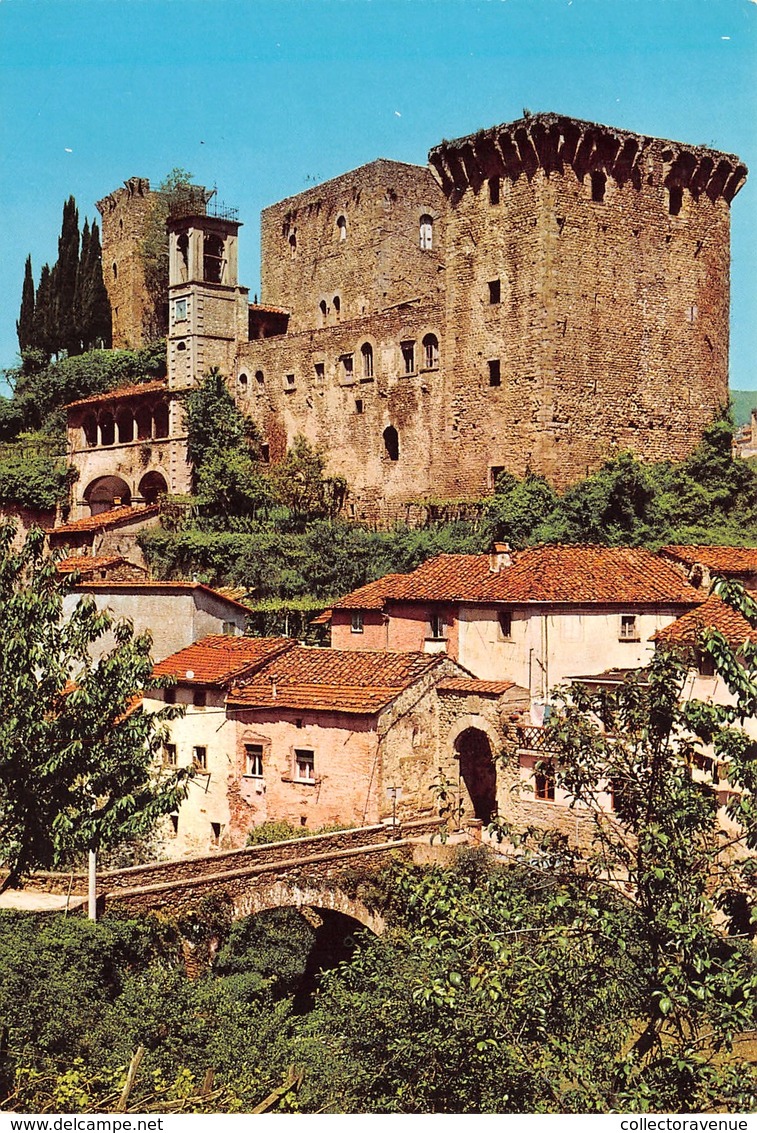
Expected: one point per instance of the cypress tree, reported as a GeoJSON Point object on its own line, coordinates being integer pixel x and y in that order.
{"type": "Point", "coordinates": [80, 295]}
{"type": "Point", "coordinates": [42, 335]}
{"type": "Point", "coordinates": [97, 307]}
{"type": "Point", "coordinates": [25, 324]}
{"type": "Point", "coordinates": [64, 282]}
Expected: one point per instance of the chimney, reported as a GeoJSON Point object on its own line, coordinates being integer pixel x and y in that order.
{"type": "Point", "coordinates": [499, 557]}
{"type": "Point", "coordinates": [272, 679]}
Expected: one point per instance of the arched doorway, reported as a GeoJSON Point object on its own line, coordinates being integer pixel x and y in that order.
{"type": "Point", "coordinates": [151, 486]}
{"type": "Point", "coordinates": [478, 772]}
{"type": "Point", "coordinates": [107, 492]}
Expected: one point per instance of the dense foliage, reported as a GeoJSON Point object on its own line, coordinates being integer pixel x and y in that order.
{"type": "Point", "coordinates": [77, 751]}
{"type": "Point", "coordinates": [70, 311]}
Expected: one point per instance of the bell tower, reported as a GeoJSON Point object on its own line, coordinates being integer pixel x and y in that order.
{"type": "Point", "coordinates": [207, 309]}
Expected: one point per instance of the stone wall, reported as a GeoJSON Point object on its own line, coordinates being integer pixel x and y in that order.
{"type": "Point", "coordinates": [124, 216]}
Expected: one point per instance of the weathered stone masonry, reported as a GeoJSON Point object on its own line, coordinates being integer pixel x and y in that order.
{"type": "Point", "coordinates": [550, 292]}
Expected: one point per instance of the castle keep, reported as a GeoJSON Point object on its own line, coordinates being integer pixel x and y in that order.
{"type": "Point", "coordinates": [545, 294]}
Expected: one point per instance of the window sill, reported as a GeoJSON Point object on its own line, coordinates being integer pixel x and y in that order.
{"type": "Point", "coordinates": [630, 640]}
{"type": "Point", "coordinates": [299, 782]}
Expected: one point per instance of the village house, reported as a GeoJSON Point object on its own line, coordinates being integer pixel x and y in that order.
{"type": "Point", "coordinates": [321, 736]}
{"type": "Point", "coordinates": [112, 530]}
{"type": "Point", "coordinates": [101, 568]}
{"type": "Point", "coordinates": [174, 613]}
{"type": "Point", "coordinates": [704, 563]}
{"type": "Point", "coordinates": [534, 617]}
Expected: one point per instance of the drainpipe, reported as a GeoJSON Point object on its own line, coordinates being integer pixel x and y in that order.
{"type": "Point", "coordinates": [92, 886]}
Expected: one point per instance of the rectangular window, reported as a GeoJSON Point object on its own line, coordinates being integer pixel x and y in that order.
{"type": "Point", "coordinates": [494, 190]}
{"type": "Point", "coordinates": [357, 621]}
{"type": "Point", "coordinates": [216, 830]}
{"type": "Point", "coordinates": [200, 697]}
{"type": "Point", "coordinates": [437, 624]}
{"type": "Point", "coordinates": [495, 290]}
{"type": "Point", "coordinates": [505, 620]}
{"type": "Point", "coordinates": [495, 373]}
{"type": "Point", "coordinates": [179, 310]}
{"type": "Point", "coordinates": [200, 758]}
{"type": "Point", "coordinates": [544, 786]}
{"type": "Point", "coordinates": [320, 373]}
{"type": "Point", "coordinates": [253, 760]}
{"type": "Point", "coordinates": [348, 371]}
{"type": "Point", "coordinates": [629, 631]}
{"type": "Point", "coordinates": [358, 405]}
{"type": "Point", "coordinates": [169, 695]}
{"type": "Point", "coordinates": [229, 629]}
{"type": "Point", "coordinates": [169, 755]}
{"type": "Point", "coordinates": [265, 454]}
{"type": "Point", "coordinates": [408, 356]}
{"type": "Point", "coordinates": [289, 381]}
{"type": "Point", "coordinates": [495, 472]}
{"type": "Point", "coordinates": [304, 765]}
{"type": "Point", "coordinates": [705, 664]}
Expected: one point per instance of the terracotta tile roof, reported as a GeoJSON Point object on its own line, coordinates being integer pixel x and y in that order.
{"type": "Point", "coordinates": [372, 595]}
{"type": "Point", "coordinates": [552, 574]}
{"type": "Point", "coordinates": [151, 587]}
{"type": "Point", "coordinates": [718, 559]}
{"type": "Point", "coordinates": [712, 614]}
{"type": "Point", "coordinates": [87, 563]}
{"type": "Point", "coordinates": [472, 685]}
{"type": "Point", "coordinates": [217, 660]}
{"type": "Point", "coordinates": [112, 518]}
{"type": "Point", "coordinates": [264, 308]}
{"type": "Point", "coordinates": [123, 391]}
{"type": "Point", "coordinates": [332, 680]}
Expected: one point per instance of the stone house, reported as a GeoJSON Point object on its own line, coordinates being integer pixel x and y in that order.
{"type": "Point", "coordinates": [560, 278]}
{"type": "Point", "coordinates": [534, 617]}
{"type": "Point", "coordinates": [704, 563]}
{"type": "Point", "coordinates": [112, 531]}
{"type": "Point", "coordinates": [101, 568]}
{"type": "Point", "coordinates": [174, 613]}
{"type": "Point", "coordinates": [318, 736]}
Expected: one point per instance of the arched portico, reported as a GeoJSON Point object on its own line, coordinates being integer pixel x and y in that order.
{"type": "Point", "coordinates": [152, 486]}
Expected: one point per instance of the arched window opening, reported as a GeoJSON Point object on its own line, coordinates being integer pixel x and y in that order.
{"type": "Point", "coordinates": [242, 379]}
{"type": "Point", "coordinates": [107, 492]}
{"type": "Point", "coordinates": [598, 186]}
{"type": "Point", "coordinates": [336, 303]}
{"type": "Point", "coordinates": [181, 345]}
{"type": "Point", "coordinates": [391, 443]}
{"type": "Point", "coordinates": [160, 418]}
{"type": "Point", "coordinates": [182, 247]}
{"type": "Point", "coordinates": [426, 233]}
{"type": "Point", "coordinates": [293, 246]}
{"type": "Point", "coordinates": [212, 258]}
{"type": "Point", "coordinates": [152, 486]}
{"type": "Point", "coordinates": [323, 312]}
{"type": "Point", "coordinates": [341, 223]}
{"type": "Point", "coordinates": [125, 426]}
{"type": "Point", "coordinates": [115, 270]}
{"type": "Point", "coordinates": [260, 378]}
{"type": "Point", "coordinates": [431, 352]}
{"type": "Point", "coordinates": [143, 417]}
{"type": "Point", "coordinates": [107, 429]}
{"type": "Point", "coordinates": [675, 199]}
{"type": "Point", "coordinates": [366, 351]}
{"type": "Point", "coordinates": [89, 429]}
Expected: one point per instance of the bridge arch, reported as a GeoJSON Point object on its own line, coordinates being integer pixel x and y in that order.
{"type": "Point", "coordinates": [287, 895]}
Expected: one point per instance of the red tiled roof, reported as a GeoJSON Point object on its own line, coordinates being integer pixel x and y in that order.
{"type": "Point", "coordinates": [218, 659]}
{"type": "Point", "coordinates": [552, 574]}
{"type": "Point", "coordinates": [712, 614]}
{"type": "Point", "coordinates": [112, 518]}
{"type": "Point", "coordinates": [333, 680]}
{"type": "Point", "coordinates": [472, 685]}
{"type": "Point", "coordinates": [86, 563]}
{"type": "Point", "coordinates": [124, 391]}
{"type": "Point", "coordinates": [265, 309]}
{"type": "Point", "coordinates": [718, 559]}
{"type": "Point", "coordinates": [150, 587]}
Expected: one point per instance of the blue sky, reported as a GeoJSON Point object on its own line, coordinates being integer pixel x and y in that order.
{"type": "Point", "coordinates": [264, 97]}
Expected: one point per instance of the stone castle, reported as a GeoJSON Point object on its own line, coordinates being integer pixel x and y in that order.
{"type": "Point", "coordinates": [544, 294]}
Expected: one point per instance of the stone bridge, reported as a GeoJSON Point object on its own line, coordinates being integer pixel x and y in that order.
{"type": "Point", "coordinates": [313, 872]}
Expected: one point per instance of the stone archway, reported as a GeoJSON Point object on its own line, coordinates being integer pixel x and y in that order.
{"type": "Point", "coordinates": [474, 744]}
{"type": "Point", "coordinates": [107, 492]}
{"type": "Point", "coordinates": [283, 894]}
{"type": "Point", "coordinates": [151, 486]}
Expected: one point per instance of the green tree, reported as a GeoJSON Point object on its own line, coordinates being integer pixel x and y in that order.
{"type": "Point", "coordinates": [43, 331]}
{"type": "Point", "coordinates": [25, 324]}
{"type": "Point", "coordinates": [215, 424]}
{"type": "Point", "coordinates": [77, 750]}
{"type": "Point", "coordinates": [302, 487]}
{"type": "Point", "coordinates": [64, 282]}
{"type": "Point", "coordinates": [642, 742]}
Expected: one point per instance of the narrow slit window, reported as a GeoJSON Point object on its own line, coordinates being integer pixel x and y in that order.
{"type": "Point", "coordinates": [342, 227]}
{"type": "Point", "coordinates": [391, 443]}
{"type": "Point", "coordinates": [426, 233]}
{"type": "Point", "coordinates": [495, 372]}
{"type": "Point", "coordinates": [495, 291]}
{"type": "Point", "coordinates": [366, 351]}
{"type": "Point", "coordinates": [675, 199]}
{"type": "Point", "coordinates": [494, 190]}
{"type": "Point", "coordinates": [598, 186]}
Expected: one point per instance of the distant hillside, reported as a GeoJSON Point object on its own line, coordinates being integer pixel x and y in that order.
{"type": "Point", "coordinates": [744, 401]}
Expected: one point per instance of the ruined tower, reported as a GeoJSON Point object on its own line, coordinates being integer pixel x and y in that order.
{"type": "Point", "coordinates": [125, 215]}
